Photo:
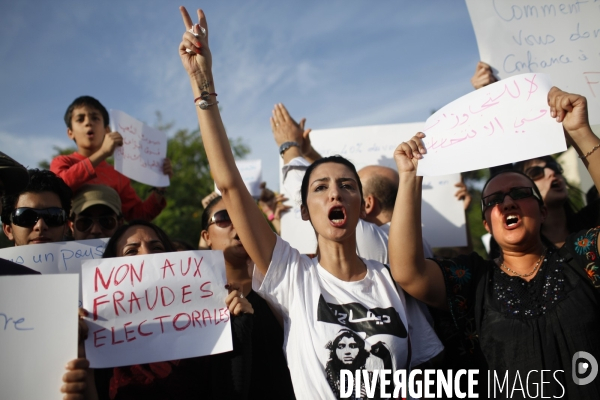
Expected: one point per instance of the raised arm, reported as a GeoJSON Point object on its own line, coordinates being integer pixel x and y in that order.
{"type": "Point", "coordinates": [254, 232]}
{"type": "Point", "coordinates": [571, 110]}
{"type": "Point", "coordinates": [419, 277]}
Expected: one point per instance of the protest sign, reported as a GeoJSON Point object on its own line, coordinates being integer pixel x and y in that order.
{"type": "Point", "coordinates": [156, 307]}
{"type": "Point", "coordinates": [143, 152]}
{"type": "Point", "coordinates": [442, 215]}
{"type": "Point", "coordinates": [504, 122]}
{"type": "Point", "coordinates": [38, 334]}
{"type": "Point", "coordinates": [551, 36]}
{"type": "Point", "coordinates": [251, 172]}
{"type": "Point", "coordinates": [56, 257]}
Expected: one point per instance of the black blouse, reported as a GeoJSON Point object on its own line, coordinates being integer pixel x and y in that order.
{"type": "Point", "coordinates": [505, 324]}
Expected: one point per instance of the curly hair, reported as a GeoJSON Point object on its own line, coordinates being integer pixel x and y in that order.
{"type": "Point", "coordinates": [40, 180]}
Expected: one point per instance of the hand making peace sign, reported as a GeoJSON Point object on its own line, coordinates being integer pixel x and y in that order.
{"type": "Point", "coordinates": [198, 60]}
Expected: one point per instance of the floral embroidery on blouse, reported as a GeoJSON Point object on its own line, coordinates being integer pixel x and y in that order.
{"type": "Point", "coordinates": [584, 243]}
{"type": "Point", "coordinates": [593, 272]}
{"type": "Point", "coordinates": [460, 274]}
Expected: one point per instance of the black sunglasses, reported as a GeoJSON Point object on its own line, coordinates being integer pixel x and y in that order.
{"type": "Point", "coordinates": [221, 219]}
{"type": "Point", "coordinates": [27, 217]}
{"type": "Point", "coordinates": [516, 193]}
{"type": "Point", "coordinates": [107, 222]}
{"type": "Point", "coordinates": [538, 172]}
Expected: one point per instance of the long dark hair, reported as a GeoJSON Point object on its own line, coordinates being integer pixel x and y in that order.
{"type": "Point", "coordinates": [334, 364]}
{"type": "Point", "coordinates": [111, 246]}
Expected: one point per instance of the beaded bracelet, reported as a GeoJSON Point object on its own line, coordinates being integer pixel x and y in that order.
{"type": "Point", "coordinates": [204, 96]}
{"type": "Point", "coordinates": [202, 101]}
{"type": "Point", "coordinates": [590, 152]}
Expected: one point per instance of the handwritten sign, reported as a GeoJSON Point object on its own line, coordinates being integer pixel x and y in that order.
{"type": "Point", "coordinates": [155, 307]}
{"type": "Point", "coordinates": [143, 152]}
{"type": "Point", "coordinates": [57, 257]}
{"type": "Point", "coordinates": [38, 334]}
{"type": "Point", "coordinates": [556, 37]}
{"type": "Point", "coordinates": [251, 171]}
{"type": "Point", "coordinates": [504, 122]}
{"type": "Point", "coordinates": [442, 215]}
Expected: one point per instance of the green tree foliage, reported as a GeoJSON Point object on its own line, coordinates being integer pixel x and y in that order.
{"type": "Point", "coordinates": [191, 182]}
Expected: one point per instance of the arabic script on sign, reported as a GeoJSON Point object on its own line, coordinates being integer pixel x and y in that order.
{"type": "Point", "coordinates": [502, 123]}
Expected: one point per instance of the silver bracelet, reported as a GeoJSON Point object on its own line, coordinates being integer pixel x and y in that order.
{"type": "Point", "coordinates": [203, 104]}
{"type": "Point", "coordinates": [590, 152]}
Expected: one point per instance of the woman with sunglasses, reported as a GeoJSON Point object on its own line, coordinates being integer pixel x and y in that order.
{"type": "Point", "coordinates": [535, 306]}
{"type": "Point", "coordinates": [222, 376]}
{"type": "Point", "coordinates": [316, 297]}
{"type": "Point", "coordinates": [563, 218]}
{"type": "Point", "coordinates": [270, 376]}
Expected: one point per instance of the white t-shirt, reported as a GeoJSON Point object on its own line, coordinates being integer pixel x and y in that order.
{"type": "Point", "coordinates": [427, 251]}
{"type": "Point", "coordinates": [329, 323]}
{"type": "Point", "coordinates": [371, 242]}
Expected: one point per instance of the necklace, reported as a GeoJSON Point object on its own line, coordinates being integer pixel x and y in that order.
{"type": "Point", "coordinates": [537, 265]}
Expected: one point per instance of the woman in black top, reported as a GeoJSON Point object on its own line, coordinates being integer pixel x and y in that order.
{"type": "Point", "coordinates": [270, 376]}
{"type": "Point", "coordinates": [534, 307]}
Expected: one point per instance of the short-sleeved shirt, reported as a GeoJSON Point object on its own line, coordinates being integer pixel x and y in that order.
{"type": "Point", "coordinates": [331, 324]}
{"type": "Point", "coordinates": [504, 323]}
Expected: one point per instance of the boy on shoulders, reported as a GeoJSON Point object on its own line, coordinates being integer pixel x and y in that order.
{"type": "Point", "coordinates": [88, 125]}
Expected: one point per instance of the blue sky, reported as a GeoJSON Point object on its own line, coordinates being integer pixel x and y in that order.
{"type": "Point", "coordinates": [337, 63]}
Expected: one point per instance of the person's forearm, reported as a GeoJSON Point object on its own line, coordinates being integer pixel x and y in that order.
{"type": "Point", "coordinates": [584, 141]}
{"type": "Point", "coordinates": [312, 155]}
{"type": "Point", "coordinates": [214, 137]}
{"type": "Point", "coordinates": [405, 241]}
{"type": "Point", "coordinates": [290, 154]}
{"type": "Point", "coordinates": [97, 158]}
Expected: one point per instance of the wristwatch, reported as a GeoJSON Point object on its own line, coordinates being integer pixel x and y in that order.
{"type": "Point", "coordinates": [286, 146]}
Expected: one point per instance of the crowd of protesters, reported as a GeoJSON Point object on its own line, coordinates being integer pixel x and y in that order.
{"type": "Point", "coordinates": [530, 305]}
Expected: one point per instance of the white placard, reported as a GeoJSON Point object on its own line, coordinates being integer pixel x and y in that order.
{"type": "Point", "coordinates": [442, 215]}
{"type": "Point", "coordinates": [57, 257]}
{"type": "Point", "coordinates": [505, 122]}
{"type": "Point", "coordinates": [251, 171]}
{"type": "Point", "coordinates": [143, 152]}
{"type": "Point", "coordinates": [38, 334]}
{"type": "Point", "coordinates": [550, 36]}
{"type": "Point", "coordinates": [156, 307]}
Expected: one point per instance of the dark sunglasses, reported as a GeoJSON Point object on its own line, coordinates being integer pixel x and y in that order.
{"type": "Point", "coordinates": [516, 193]}
{"type": "Point", "coordinates": [538, 172]}
{"type": "Point", "coordinates": [27, 217]}
{"type": "Point", "coordinates": [107, 222]}
{"type": "Point", "coordinates": [221, 219]}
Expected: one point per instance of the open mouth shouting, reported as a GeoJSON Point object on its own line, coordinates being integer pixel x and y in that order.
{"type": "Point", "coordinates": [511, 221]}
{"type": "Point", "coordinates": [337, 216]}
